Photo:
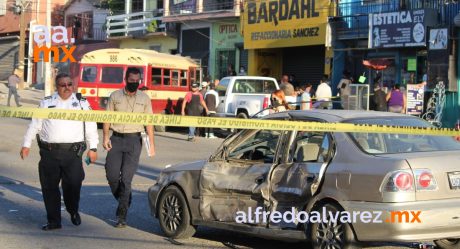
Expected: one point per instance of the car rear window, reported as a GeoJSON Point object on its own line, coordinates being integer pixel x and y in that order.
{"type": "Point", "coordinates": [381, 143]}
{"type": "Point", "coordinates": [254, 86]}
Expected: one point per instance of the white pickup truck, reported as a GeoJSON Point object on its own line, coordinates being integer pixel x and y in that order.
{"type": "Point", "coordinates": [244, 96]}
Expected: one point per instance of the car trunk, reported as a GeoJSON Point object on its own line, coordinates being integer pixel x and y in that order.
{"type": "Point", "coordinates": [443, 165]}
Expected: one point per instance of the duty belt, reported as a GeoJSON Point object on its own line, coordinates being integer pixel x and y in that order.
{"type": "Point", "coordinates": [135, 134]}
{"type": "Point", "coordinates": [59, 146]}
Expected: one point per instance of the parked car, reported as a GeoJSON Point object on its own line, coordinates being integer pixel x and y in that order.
{"type": "Point", "coordinates": [313, 171]}
{"type": "Point", "coordinates": [244, 96]}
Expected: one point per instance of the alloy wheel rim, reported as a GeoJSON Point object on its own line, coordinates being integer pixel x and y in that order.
{"type": "Point", "coordinates": [330, 235]}
{"type": "Point", "coordinates": [171, 213]}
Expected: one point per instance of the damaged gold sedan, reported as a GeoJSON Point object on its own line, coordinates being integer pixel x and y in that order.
{"type": "Point", "coordinates": [333, 189]}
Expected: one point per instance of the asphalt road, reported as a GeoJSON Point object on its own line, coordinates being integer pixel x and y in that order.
{"type": "Point", "coordinates": [22, 211]}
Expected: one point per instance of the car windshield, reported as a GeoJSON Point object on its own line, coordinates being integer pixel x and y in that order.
{"type": "Point", "coordinates": [380, 143]}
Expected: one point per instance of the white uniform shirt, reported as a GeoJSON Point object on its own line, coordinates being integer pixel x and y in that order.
{"type": "Point", "coordinates": [324, 92]}
{"type": "Point", "coordinates": [62, 131]}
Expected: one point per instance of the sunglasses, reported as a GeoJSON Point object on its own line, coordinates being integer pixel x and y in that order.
{"type": "Point", "coordinates": [65, 85]}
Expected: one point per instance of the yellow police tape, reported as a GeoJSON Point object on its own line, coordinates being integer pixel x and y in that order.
{"type": "Point", "coordinates": [235, 123]}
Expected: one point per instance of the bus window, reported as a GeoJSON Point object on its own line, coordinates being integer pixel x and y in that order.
{"type": "Point", "coordinates": [183, 78]}
{"type": "Point", "coordinates": [167, 77]}
{"type": "Point", "coordinates": [112, 75]}
{"type": "Point", "coordinates": [175, 78]}
{"type": "Point", "coordinates": [192, 75]}
{"type": "Point", "coordinates": [156, 76]}
{"type": "Point", "coordinates": [89, 74]}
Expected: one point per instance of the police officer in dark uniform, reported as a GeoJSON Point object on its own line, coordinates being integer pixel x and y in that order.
{"type": "Point", "coordinates": [125, 145]}
{"type": "Point", "coordinates": [62, 144]}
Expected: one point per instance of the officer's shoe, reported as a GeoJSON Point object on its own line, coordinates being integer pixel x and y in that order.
{"type": "Point", "coordinates": [50, 226]}
{"type": "Point", "coordinates": [121, 217]}
{"type": "Point", "coordinates": [75, 218]}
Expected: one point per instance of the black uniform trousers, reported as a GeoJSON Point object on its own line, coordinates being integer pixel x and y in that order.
{"type": "Point", "coordinates": [121, 164]}
{"type": "Point", "coordinates": [56, 165]}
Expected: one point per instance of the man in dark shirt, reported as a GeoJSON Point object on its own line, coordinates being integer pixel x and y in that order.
{"type": "Point", "coordinates": [378, 100]}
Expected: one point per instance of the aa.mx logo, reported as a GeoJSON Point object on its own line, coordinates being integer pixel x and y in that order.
{"type": "Point", "coordinates": [58, 37]}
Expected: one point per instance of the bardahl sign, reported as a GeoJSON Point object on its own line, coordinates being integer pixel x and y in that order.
{"type": "Point", "coordinates": [284, 23]}
{"type": "Point", "coordinates": [400, 29]}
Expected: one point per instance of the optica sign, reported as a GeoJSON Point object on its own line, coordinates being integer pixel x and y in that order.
{"type": "Point", "coordinates": [284, 23]}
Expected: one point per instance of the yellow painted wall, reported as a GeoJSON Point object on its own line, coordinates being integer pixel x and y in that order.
{"type": "Point", "coordinates": [167, 43]}
{"type": "Point", "coordinates": [265, 62]}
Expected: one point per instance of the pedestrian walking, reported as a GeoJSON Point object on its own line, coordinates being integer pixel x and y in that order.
{"type": "Point", "coordinates": [62, 144]}
{"type": "Point", "coordinates": [323, 94]}
{"type": "Point", "coordinates": [396, 100]}
{"type": "Point", "coordinates": [305, 98]}
{"type": "Point", "coordinates": [193, 100]}
{"type": "Point", "coordinates": [125, 145]}
{"type": "Point", "coordinates": [378, 100]}
{"type": "Point", "coordinates": [212, 101]}
{"type": "Point", "coordinates": [286, 86]}
{"type": "Point", "coordinates": [13, 82]}
{"type": "Point", "coordinates": [345, 89]}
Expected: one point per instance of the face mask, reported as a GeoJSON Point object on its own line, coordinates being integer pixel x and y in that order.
{"type": "Point", "coordinates": [132, 87]}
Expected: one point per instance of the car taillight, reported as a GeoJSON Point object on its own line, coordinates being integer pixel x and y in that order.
{"type": "Point", "coordinates": [425, 180]}
{"type": "Point", "coordinates": [265, 104]}
{"type": "Point", "coordinates": [399, 181]}
{"type": "Point", "coordinates": [83, 91]}
{"type": "Point", "coordinates": [403, 181]}
{"type": "Point", "coordinates": [92, 91]}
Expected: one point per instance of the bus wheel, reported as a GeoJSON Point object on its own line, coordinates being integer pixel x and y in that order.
{"type": "Point", "coordinates": [160, 128]}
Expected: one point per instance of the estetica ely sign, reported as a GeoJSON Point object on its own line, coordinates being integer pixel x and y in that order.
{"type": "Point", "coordinates": [400, 29]}
{"type": "Point", "coordinates": [58, 38]}
{"type": "Point", "coordinates": [284, 23]}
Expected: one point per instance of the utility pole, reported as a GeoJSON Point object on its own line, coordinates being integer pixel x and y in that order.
{"type": "Point", "coordinates": [21, 10]}
{"type": "Point", "coordinates": [49, 88]}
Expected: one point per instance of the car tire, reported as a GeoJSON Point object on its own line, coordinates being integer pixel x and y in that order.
{"type": "Point", "coordinates": [173, 214]}
{"type": "Point", "coordinates": [448, 243]}
{"type": "Point", "coordinates": [330, 235]}
{"type": "Point", "coordinates": [242, 115]}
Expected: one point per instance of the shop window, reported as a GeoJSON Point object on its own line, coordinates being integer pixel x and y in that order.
{"type": "Point", "coordinates": [225, 59]}
{"type": "Point", "coordinates": [156, 76]}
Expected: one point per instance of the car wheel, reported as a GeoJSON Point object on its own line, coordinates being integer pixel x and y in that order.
{"type": "Point", "coordinates": [174, 214]}
{"type": "Point", "coordinates": [329, 234]}
{"type": "Point", "coordinates": [448, 243]}
{"type": "Point", "coordinates": [242, 115]}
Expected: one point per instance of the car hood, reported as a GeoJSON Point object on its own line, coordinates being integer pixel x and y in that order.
{"type": "Point", "coordinates": [188, 166]}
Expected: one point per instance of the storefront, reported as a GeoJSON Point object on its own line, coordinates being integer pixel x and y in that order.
{"type": "Point", "coordinates": [226, 48]}
{"type": "Point", "coordinates": [287, 37]}
{"type": "Point", "coordinates": [399, 39]}
{"type": "Point", "coordinates": [195, 41]}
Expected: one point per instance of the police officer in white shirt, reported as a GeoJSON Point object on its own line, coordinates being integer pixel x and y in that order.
{"type": "Point", "coordinates": [62, 144]}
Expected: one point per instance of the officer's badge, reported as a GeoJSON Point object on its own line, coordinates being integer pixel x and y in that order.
{"type": "Point", "coordinates": [74, 104]}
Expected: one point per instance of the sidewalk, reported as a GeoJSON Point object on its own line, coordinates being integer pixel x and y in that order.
{"type": "Point", "coordinates": [28, 97]}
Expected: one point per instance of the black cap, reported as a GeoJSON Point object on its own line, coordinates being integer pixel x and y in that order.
{"type": "Point", "coordinates": [195, 85]}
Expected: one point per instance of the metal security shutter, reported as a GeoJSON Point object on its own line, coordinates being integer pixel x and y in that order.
{"type": "Point", "coordinates": [9, 51]}
{"type": "Point", "coordinates": [306, 63]}
{"type": "Point", "coordinates": [195, 43]}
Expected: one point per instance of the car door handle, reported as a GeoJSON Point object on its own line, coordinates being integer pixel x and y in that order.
{"type": "Point", "coordinates": [260, 179]}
